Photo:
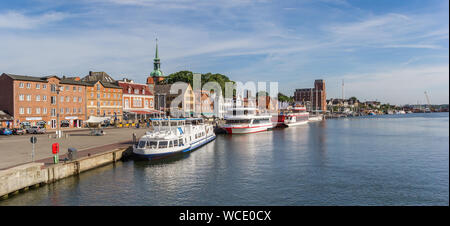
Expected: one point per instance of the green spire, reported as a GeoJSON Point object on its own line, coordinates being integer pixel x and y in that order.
{"type": "Point", "coordinates": [156, 64]}
{"type": "Point", "coordinates": [156, 54]}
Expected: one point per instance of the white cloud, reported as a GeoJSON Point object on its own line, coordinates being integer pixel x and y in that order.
{"type": "Point", "coordinates": [17, 20]}
{"type": "Point", "coordinates": [400, 85]}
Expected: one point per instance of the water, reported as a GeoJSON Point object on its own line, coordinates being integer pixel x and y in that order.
{"type": "Point", "coordinates": [377, 160]}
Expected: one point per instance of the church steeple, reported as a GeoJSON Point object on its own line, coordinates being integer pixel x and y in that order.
{"type": "Point", "coordinates": [156, 54]}
{"type": "Point", "coordinates": [156, 63]}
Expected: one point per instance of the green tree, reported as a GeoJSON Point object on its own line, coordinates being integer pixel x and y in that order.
{"type": "Point", "coordinates": [284, 98]}
{"type": "Point", "coordinates": [188, 77]}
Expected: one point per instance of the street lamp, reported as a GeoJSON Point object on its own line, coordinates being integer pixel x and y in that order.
{"type": "Point", "coordinates": [58, 131]}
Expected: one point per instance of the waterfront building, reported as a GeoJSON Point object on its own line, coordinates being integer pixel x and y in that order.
{"type": "Point", "coordinates": [343, 105]}
{"type": "Point", "coordinates": [104, 96]}
{"type": "Point", "coordinates": [313, 98]}
{"type": "Point", "coordinates": [39, 101]}
{"type": "Point", "coordinates": [204, 104]}
{"type": "Point", "coordinates": [185, 96]}
{"type": "Point", "coordinates": [138, 101]}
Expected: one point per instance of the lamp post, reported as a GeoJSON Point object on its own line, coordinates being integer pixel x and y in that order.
{"type": "Point", "coordinates": [58, 131]}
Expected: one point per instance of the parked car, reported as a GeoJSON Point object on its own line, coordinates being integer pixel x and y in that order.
{"type": "Point", "coordinates": [19, 131]}
{"type": "Point", "coordinates": [35, 129]}
{"type": "Point", "coordinates": [65, 123]}
{"type": "Point", "coordinates": [5, 131]}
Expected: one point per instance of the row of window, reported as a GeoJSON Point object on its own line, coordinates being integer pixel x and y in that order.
{"type": "Point", "coordinates": [106, 103]}
{"type": "Point", "coordinates": [44, 86]}
{"type": "Point", "coordinates": [136, 91]}
{"type": "Point", "coordinates": [137, 102]}
{"type": "Point", "coordinates": [44, 98]}
{"type": "Point", "coordinates": [109, 95]}
{"type": "Point", "coordinates": [53, 111]}
{"type": "Point", "coordinates": [105, 112]}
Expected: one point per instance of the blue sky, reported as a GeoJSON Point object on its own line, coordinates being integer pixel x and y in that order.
{"type": "Point", "coordinates": [390, 51]}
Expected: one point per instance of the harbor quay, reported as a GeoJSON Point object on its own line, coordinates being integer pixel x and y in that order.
{"type": "Point", "coordinates": [19, 173]}
{"type": "Point", "coordinates": [17, 150]}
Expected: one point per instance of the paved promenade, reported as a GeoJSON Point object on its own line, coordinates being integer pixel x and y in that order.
{"type": "Point", "coordinates": [16, 150]}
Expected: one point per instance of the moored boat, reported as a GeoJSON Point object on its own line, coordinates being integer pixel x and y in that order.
{"type": "Point", "coordinates": [292, 117]}
{"type": "Point", "coordinates": [173, 136]}
{"type": "Point", "coordinates": [246, 120]}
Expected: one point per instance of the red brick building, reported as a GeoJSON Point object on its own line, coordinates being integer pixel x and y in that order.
{"type": "Point", "coordinates": [138, 100]}
{"type": "Point", "coordinates": [313, 98]}
{"type": "Point", "coordinates": [104, 96]}
{"type": "Point", "coordinates": [34, 101]}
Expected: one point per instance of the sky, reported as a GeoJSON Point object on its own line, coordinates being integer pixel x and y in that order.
{"type": "Point", "coordinates": [390, 51]}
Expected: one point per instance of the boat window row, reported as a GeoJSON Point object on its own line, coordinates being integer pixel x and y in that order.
{"type": "Point", "coordinates": [237, 121]}
{"type": "Point", "coordinates": [261, 121]}
{"type": "Point", "coordinates": [166, 123]}
{"type": "Point", "coordinates": [198, 135]}
{"type": "Point", "coordinates": [161, 144]}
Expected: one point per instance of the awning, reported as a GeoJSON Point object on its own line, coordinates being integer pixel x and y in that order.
{"type": "Point", "coordinates": [94, 119]}
{"type": "Point", "coordinates": [146, 112]}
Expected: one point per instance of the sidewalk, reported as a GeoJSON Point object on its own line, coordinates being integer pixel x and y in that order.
{"type": "Point", "coordinates": [17, 150]}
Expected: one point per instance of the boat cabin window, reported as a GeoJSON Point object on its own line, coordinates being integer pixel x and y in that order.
{"type": "Point", "coordinates": [260, 121]}
{"type": "Point", "coordinates": [142, 144]}
{"type": "Point", "coordinates": [175, 143]}
{"type": "Point", "coordinates": [165, 123]}
{"type": "Point", "coordinates": [152, 144]}
{"type": "Point", "coordinates": [162, 144]}
{"type": "Point", "coordinates": [181, 142]}
{"type": "Point", "coordinates": [237, 121]}
{"type": "Point", "coordinates": [170, 144]}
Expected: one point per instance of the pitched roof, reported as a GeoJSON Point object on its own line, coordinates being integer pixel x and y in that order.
{"type": "Point", "coordinates": [133, 86]}
{"type": "Point", "coordinates": [73, 81]}
{"type": "Point", "coordinates": [98, 76]}
{"type": "Point", "coordinates": [28, 78]}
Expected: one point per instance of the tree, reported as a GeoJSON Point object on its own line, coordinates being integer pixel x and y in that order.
{"type": "Point", "coordinates": [188, 77]}
{"type": "Point", "coordinates": [284, 98]}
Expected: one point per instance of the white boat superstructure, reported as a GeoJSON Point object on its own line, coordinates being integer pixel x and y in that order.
{"type": "Point", "coordinates": [315, 118]}
{"type": "Point", "coordinates": [172, 136]}
{"type": "Point", "coordinates": [246, 120]}
{"type": "Point", "coordinates": [297, 116]}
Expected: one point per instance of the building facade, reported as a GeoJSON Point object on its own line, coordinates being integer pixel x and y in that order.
{"type": "Point", "coordinates": [313, 98]}
{"type": "Point", "coordinates": [42, 101]}
{"type": "Point", "coordinates": [185, 98]}
{"type": "Point", "coordinates": [103, 96]}
{"type": "Point", "coordinates": [137, 99]}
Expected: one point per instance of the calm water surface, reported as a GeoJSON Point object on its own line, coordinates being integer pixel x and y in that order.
{"type": "Point", "coordinates": [378, 160]}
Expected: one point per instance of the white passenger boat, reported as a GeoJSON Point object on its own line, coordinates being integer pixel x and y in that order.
{"type": "Point", "coordinates": [246, 120]}
{"type": "Point", "coordinates": [292, 117]}
{"type": "Point", "coordinates": [173, 136]}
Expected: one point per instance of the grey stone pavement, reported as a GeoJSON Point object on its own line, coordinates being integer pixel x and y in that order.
{"type": "Point", "coordinates": [17, 149]}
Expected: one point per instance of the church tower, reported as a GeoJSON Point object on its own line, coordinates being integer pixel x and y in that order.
{"type": "Point", "coordinates": [156, 76]}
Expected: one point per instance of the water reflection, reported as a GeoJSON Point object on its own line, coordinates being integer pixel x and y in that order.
{"type": "Point", "coordinates": [373, 161]}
